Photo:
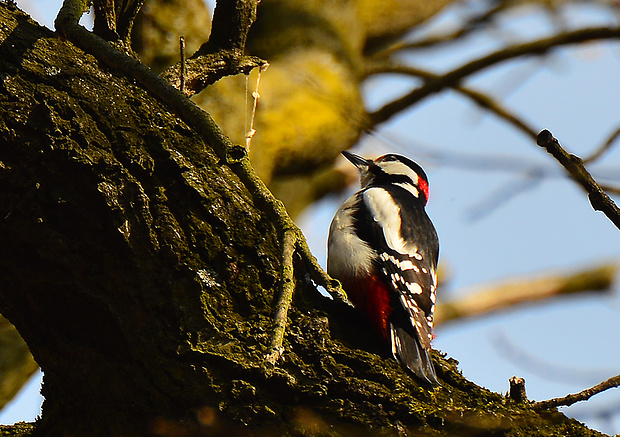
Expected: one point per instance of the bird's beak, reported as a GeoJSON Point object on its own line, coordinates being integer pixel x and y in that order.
{"type": "Point", "coordinates": [358, 161]}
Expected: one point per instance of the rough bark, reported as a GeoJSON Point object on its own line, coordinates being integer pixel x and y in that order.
{"type": "Point", "coordinates": [125, 243]}
{"type": "Point", "coordinates": [143, 278]}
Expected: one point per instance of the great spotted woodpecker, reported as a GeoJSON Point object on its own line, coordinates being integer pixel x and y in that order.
{"type": "Point", "coordinates": [384, 250]}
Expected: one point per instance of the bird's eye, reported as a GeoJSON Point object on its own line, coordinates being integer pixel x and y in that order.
{"type": "Point", "coordinates": [388, 158]}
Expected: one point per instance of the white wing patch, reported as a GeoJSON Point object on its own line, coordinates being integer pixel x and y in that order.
{"type": "Point", "coordinates": [387, 214]}
{"type": "Point", "coordinates": [414, 288]}
{"type": "Point", "coordinates": [407, 265]}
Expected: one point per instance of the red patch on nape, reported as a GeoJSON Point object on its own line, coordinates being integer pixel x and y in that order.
{"type": "Point", "coordinates": [372, 297]}
{"type": "Point", "coordinates": [423, 186]}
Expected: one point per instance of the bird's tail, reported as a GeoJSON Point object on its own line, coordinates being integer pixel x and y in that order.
{"type": "Point", "coordinates": [408, 350]}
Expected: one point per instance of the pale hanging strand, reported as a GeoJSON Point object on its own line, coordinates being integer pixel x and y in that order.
{"type": "Point", "coordinates": [255, 96]}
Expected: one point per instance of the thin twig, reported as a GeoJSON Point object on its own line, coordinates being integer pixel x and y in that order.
{"type": "Point", "coordinates": [578, 397]}
{"type": "Point", "coordinates": [468, 26]}
{"type": "Point", "coordinates": [610, 188]}
{"type": "Point", "coordinates": [599, 200]}
{"type": "Point", "coordinates": [286, 297]}
{"type": "Point", "coordinates": [182, 52]}
{"type": "Point", "coordinates": [606, 145]}
{"type": "Point", "coordinates": [538, 47]}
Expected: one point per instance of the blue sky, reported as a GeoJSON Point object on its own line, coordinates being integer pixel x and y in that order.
{"type": "Point", "coordinates": [489, 230]}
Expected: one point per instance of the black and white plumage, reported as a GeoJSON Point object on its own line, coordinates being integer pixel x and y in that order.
{"type": "Point", "coordinates": [384, 249]}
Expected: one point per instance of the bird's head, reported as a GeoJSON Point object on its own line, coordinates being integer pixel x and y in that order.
{"type": "Point", "coordinates": [391, 169]}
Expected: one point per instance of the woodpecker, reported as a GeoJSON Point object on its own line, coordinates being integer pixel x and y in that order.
{"type": "Point", "coordinates": [384, 249]}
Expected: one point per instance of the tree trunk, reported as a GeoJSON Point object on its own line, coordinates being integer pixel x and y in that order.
{"type": "Point", "coordinates": [143, 278]}
{"type": "Point", "coordinates": [131, 259]}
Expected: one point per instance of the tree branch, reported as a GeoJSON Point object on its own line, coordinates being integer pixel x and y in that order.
{"type": "Point", "coordinates": [578, 397]}
{"type": "Point", "coordinates": [538, 47]}
{"type": "Point", "coordinates": [286, 297]}
{"type": "Point", "coordinates": [604, 147]}
{"type": "Point", "coordinates": [599, 200]}
{"type": "Point", "coordinates": [470, 25]}
{"type": "Point", "coordinates": [223, 55]}
{"type": "Point", "coordinates": [207, 69]}
{"type": "Point", "coordinates": [477, 97]}
{"type": "Point", "coordinates": [114, 19]}
{"type": "Point", "coordinates": [507, 295]}
{"type": "Point", "coordinates": [230, 25]}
